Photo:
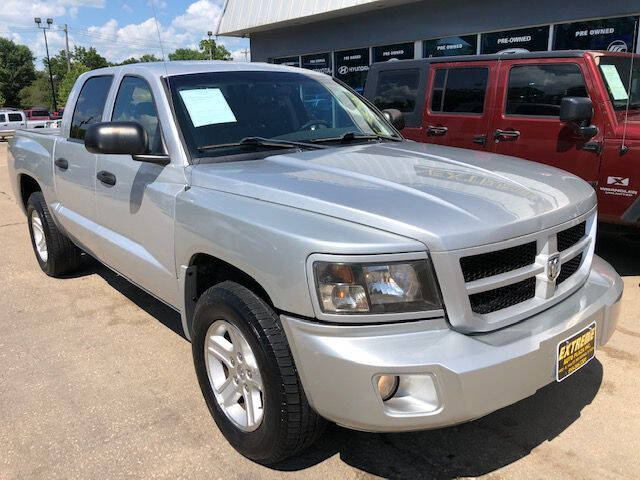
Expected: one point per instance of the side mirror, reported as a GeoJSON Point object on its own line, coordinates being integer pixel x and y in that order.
{"type": "Point", "coordinates": [578, 111]}
{"type": "Point", "coordinates": [121, 138]}
{"type": "Point", "coordinates": [394, 117]}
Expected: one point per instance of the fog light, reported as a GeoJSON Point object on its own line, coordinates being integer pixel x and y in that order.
{"type": "Point", "coordinates": [387, 386]}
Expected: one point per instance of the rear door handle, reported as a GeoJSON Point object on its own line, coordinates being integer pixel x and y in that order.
{"type": "Point", "coordinates": [62, 163]}
{"type": "Point", "coordinates": [437, 131]}
{"type": "Point", "coordinates": [506, 135]}
{"type": "Point", "coordinates": [480, 139]}
{"type": "Point", "coordinates": [107, 178]}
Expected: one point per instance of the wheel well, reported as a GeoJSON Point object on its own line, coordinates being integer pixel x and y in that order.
{"type": "Point", "coordinates": [206, 271]}
{"type": "Point", "coordinates": [28, 185]}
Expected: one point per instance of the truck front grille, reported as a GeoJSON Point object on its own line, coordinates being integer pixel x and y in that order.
{"type": "Point", "coordinates": [503, 297]}
{"type": "Point", "coordinates": [512, 280]}
{"type": "Point", "coordinates": [568, 268]}
{"type": "Point", "coordinates": [489, 264]}
{"type": "Point", "coordinates": [569, 237]}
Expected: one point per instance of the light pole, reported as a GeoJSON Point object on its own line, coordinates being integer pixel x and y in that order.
{"type": "Point", "coordinates": [44, 30]}
{"type": "Point", "coordinates": [209, 34]}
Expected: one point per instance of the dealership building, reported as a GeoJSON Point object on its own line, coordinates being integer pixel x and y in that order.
{"type": "Point", "coordinates": [343, 37]}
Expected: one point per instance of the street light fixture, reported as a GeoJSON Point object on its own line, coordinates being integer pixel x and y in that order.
{"type": "Point", "coordinates": [38, 21]}
{"type": "Point", "coordinates": [209, 34]}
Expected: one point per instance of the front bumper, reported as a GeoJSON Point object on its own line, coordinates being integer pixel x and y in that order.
{"type": "Point", "coordinates": [446, 377]}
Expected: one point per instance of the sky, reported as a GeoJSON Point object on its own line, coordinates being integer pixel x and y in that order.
{"type": "Point", "coordinates": [118, 29]}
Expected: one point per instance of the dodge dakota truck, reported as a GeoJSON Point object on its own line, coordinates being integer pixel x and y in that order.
{"type": "Point", "coordinates": [325, 268]}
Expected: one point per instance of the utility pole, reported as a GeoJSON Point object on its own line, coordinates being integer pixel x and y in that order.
{"type": "Point", "coordinates": [66, 41]}
{"type": "Point", "coordinates": [44, 30]}
{"type": "Point", "coordinates": [209, 34]}
{"type": "Point", "coordinates": [246, 54]}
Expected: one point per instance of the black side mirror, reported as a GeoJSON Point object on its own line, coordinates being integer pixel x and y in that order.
{"type": "Point", "coordinates": [394, 117]}
{"type": "Point", "coordinates": [121, 138]}
{"type": "Point", "coordinates": [578, 111]}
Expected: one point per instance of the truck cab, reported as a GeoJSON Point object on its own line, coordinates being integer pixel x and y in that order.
{"type": "Point", "coordinates": [521, 105]}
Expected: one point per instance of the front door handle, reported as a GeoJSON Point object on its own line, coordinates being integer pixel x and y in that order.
{"type": "Point", "coordinates": [62, 163]}
{"type": "Point", "coordinates": [506, 135]}
{"type": "Point", "coordinates": [107, 178]}
{"type": "Point", "coordinates": [480, 139]}
{"type": "Point", "coordinates": [437, 130]}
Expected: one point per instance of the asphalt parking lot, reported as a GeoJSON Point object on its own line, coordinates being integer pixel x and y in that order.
{"type": "Point", "coordinates": [96, 381]}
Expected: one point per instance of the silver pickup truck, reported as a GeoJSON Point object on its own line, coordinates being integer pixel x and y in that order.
{"type": "Point", "coordinates": [324, 267]}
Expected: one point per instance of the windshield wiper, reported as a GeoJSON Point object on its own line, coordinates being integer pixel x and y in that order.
{"type": "Point", "coordinates": [353, 136]}
{"type": "Point", "coordinates": [261, 142]}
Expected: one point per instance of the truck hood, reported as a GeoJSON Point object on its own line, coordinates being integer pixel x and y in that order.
{"type": "Point", "coordinates": [448, 198]}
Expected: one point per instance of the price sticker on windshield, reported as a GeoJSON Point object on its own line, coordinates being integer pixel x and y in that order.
{"type": "Point", "coordinates": [207, 106]}
{"type": "Point", "coordinates": [614, 82]}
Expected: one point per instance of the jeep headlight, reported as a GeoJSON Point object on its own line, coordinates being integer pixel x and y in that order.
{"type": "Point", "coordinates": [388, 287]}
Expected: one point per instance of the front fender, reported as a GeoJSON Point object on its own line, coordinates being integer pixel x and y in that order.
{"type": "Point", "coordinates": [271, 242]}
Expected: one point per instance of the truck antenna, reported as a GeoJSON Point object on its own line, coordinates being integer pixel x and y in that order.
{"type": "Point", "coordinates": [623, 148]}
{"type": "Point", "coordinates": [155, 19]}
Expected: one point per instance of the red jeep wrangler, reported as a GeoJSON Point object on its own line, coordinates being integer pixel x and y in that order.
{"type": "Point", "coordinates": [576, 110]}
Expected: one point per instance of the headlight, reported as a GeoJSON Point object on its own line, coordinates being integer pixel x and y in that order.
{"type": "Point", "coordinates": [390, 287]}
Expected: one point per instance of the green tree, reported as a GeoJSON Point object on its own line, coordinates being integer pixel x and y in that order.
{"type": "Point", "coordinates": [37, 94]}
{"type": "Point", "coordinates": [1, 100]}
{"type": "Point", "coordinates": [188, 54]}
{"type": "Point", "coordinates": [147, 57]}
{"type": "Point", "coordinates": [89, 57]}
{"type": "Point", "coordinates": [219, 51]}
{"type": "Point", "coordinates": [58, 65]}
{"type": "Point", "coordinates": [68, 81]}
{"type": "Point", "coordinates": [16, 70]}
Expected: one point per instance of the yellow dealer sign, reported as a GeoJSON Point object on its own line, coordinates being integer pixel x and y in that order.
{"type": "Point", "coordinates": [575, 352]}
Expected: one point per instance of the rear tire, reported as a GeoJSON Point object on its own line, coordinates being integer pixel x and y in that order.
{"type": "Point", "coordinates": [287, 424]}
{"type": "Point", "coordinates": [55, 253]}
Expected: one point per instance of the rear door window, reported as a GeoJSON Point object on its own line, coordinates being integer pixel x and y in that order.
{"type": "Point", "coordinates": [15, 117]}
{"type": "Point", "coordinates": [397, 89]}
{"type": "Point", "coordinates": [459, 90]}
{"type": "Point", "coordinates": [537, 90]}
{"type": "Point", "coordinates": [90, 104]}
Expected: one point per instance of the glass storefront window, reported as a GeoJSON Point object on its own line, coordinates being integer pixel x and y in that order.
{"type": "Point", "coordinates": [613, 34]}
{"type": "Point", "coordinates": [288, 61]}
{"type": "Point", "coordinates": [398, 51]}
{"type": "Point", "coordinates": [534, 39]}
{"type": "Point", "coordinates": [351, 67]}
{"type": "Point", "coordinates": [444, 47]}
{"type": "Point", "coordinates": [319, 62]}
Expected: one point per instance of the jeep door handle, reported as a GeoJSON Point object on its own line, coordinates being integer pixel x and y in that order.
{"type": "Point", "coordinates": [480, 139]}
{"type": "Point", "coordinates": [107, 178]}
{"type": "Point", "coordinates": [62, 163]}
{"type": "Point", "coordinates": [506, 135]}
{"type": "Point", "coordinates": [437, 131]}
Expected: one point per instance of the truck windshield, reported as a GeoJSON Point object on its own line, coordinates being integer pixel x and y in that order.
{"type": "Point", "coordinates": [616, 72]}
{"type": "Point", "coordinates": [221, 109]}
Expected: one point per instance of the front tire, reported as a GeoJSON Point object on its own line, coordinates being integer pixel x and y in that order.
{"type": "Point", "coordinates": [248, 377]}
{"type": "Point", "coordinates": [56, 254]}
